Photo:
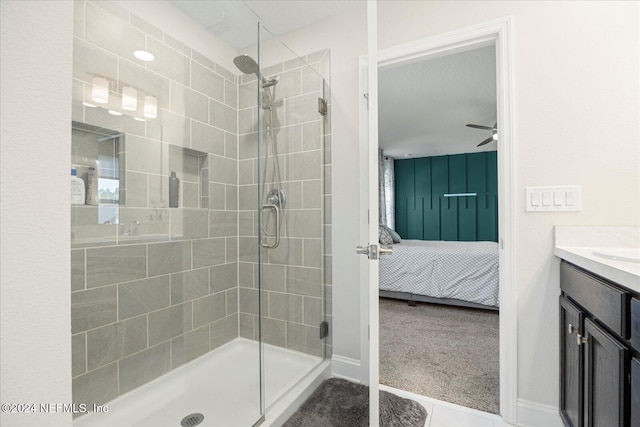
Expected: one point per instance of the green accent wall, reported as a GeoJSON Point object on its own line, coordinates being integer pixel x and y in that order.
{"type": "Point", "coordinates": [422, 211]}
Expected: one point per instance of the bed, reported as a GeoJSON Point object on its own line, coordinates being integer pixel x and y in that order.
{"type": "Point", "coordinates": [455, 273]}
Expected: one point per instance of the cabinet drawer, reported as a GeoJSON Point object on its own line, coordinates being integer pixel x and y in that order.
{"type": "Point", "coordinates": [607, 303]}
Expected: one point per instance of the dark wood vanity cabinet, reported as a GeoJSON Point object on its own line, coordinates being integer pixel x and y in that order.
{"type": "Point", "coordinates": [599, 381]}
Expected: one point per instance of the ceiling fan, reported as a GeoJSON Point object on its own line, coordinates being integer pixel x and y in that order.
{"type": "Point", "coordinates": [493, 137]}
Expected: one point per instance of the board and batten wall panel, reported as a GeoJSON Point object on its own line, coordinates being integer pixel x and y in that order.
{"type": "Point", "coordinates": [424, 213]}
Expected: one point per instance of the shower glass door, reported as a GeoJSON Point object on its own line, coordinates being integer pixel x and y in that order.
{"type": "Point", "coordinates": [291, 217]}
{"type": "Point", "coordinates": [199, 249]}
{"type": "Point", "coordinates": [159, 307]}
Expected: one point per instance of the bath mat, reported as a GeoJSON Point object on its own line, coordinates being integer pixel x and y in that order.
{"type": "Point", "coordinates": [338, 403]}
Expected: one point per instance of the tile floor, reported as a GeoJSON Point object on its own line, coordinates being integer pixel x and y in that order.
{"type": "Point", "coordinates": [445, 414]}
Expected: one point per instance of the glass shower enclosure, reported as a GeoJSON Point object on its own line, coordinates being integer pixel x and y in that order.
{"type": "Point", "coordinates": [198, 249]}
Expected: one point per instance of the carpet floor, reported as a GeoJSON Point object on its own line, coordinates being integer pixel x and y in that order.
{"type": "Point", "coordinates": [341, 403]}
{"type": "Point", "coordinates": [443, 352]}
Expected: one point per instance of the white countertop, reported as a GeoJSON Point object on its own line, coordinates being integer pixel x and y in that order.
{"type": "Point", "coordinates": [578, 245]}
{"type": "Point", "coordinates": [624, 273]}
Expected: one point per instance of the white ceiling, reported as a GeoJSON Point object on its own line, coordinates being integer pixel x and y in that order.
{"type": "Point", "coordinates": [232, 22]}
{"type": "Point", "coordinates": [424, 106]}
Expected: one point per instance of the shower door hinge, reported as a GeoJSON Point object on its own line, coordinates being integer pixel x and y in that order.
{"type": "Point", "coordinates": [322, 106]}
{"type": "Point", "coordinates": [324, 330]}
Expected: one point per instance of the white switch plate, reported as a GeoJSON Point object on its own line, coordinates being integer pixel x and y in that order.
{"type": "Point", "coordinates": [565, 198]}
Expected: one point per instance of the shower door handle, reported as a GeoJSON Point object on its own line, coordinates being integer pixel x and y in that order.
{"type": "Point", "coordinates": [276, 209]}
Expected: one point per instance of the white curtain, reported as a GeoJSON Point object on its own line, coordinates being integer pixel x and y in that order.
{"type": "Point", "coordinates": [386, 188]}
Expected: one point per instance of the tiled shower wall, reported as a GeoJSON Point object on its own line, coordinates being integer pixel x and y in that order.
{"type": "Point", "coordinates": [160, 288]}
{"type": "Point", "coordinates": [293, 277]}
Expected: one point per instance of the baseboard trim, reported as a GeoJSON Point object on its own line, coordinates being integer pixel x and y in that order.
{"type": "Point", "coordinates": [345, 367]}
{"type": "Point", "coordinates": [534, 414]}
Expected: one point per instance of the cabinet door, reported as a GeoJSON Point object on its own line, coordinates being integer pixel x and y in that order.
{"type": "Point", "coordinates": [635, 392]}
{"type": "Point", "coordinates": [605, 378]}
{"type": "Point", "coordinates": [571, 388]}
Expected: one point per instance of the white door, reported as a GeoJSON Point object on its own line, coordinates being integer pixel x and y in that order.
{"type": "Point", "coordinates": [369, 216]}
{"type": "Point", "coordinates": [498, 32]}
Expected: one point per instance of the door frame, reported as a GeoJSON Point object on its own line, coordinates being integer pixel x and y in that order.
{"type": "Point", "coordinates": [499, 33]}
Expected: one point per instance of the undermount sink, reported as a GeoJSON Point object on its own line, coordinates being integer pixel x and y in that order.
{"type": "Point", "coordinates": [619, 254]}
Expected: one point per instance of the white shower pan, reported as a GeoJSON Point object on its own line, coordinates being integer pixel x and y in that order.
{"type": "Point", "coordinates": [223, 385]}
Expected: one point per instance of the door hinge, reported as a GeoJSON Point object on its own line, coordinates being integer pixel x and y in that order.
{"type": "Point", "coordinates": [322, 106]}
{"type": "Point", "coordinates": [324, 329]}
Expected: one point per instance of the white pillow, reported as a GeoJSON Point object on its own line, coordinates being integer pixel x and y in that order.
{"type": "Point", "coordinates": [384, 237]}
{"type": "Point", "coordinates": [395, 236]}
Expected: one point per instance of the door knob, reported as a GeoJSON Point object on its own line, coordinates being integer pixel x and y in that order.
{"type": "Point", "coordinates": [362, 250]}
{"type": "Point", "coordinates": [373, 251]}
{"type": "Point", "coordinates": [385, 251]}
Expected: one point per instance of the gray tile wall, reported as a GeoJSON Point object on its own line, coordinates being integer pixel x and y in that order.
{"type": "Point", "coordinates": [166, 286]}
{"type": "Point", "coordinates": [159, 289]}
{"type": "Point", "coordinates": [296, 275]}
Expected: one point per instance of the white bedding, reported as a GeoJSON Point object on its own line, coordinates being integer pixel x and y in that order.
{"type": "Point", "coordinates": [465, 271]}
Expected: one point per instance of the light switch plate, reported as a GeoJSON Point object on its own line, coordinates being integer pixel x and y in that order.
{"type": "Point", "coordinates": [562, 198]}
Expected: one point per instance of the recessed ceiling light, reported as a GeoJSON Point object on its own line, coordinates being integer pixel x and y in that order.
{"type": "Point", "coordinates": [408, 155]}
{"type": "Point", "coordinates": [115, 113]}
{"type": "Point", "coordinates": [143, 55]}
{"type": "Point", "coordinates": [86, 104]}
{"type": "Point", "coordinates": [140, 119]}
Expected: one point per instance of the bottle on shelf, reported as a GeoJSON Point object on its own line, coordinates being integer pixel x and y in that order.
{"type": "Point", "coordinates": [77, 188]}
{"type": "Point", "coordinates": [174, 190]}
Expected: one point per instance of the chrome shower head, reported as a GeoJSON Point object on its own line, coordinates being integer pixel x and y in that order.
{"type": "Point", "coordinates": [247, 65]}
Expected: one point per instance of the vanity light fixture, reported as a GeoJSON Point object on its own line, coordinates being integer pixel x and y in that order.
{"type": "Point", "coordinates": [100, 90]}
{"type": "Point", "coordinates": [129, 98]}
{"type": "Point", "coordinates": [150, 107]}
{"type": "Point", "coordinates": [97, 95]}
{"type": "Point", "coordinates": [143, 55]}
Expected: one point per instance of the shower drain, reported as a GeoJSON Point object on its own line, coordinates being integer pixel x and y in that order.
{"type": "Point", "coordinates": [192, 420]}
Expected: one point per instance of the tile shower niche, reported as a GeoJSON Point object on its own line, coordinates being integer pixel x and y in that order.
{"type": "Point", "coordinates": [132, 203]}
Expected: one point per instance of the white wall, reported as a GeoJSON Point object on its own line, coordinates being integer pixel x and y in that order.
{"type": "Point", "coordinates": [35, 111]}
{"type": "Point", "coordinates": [576, 122]}
{"type": "Point", "coordinates": [576, 72]}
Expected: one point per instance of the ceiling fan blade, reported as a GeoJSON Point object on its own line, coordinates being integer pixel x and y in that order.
{"type": "Point", "coordinates": [486, 141]}
{"type": "Point", "coordinates": [480, 127]}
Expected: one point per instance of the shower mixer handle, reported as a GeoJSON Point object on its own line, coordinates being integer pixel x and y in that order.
{"type": "Point", "coordinates": [276, 209]}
